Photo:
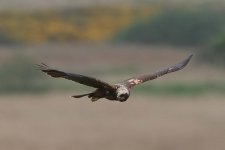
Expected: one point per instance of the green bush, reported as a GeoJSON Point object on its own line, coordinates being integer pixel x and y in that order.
{"type": "Point", "coordinates": [176, 27]}
{"type": "Point", "coordinates": [20, 75]}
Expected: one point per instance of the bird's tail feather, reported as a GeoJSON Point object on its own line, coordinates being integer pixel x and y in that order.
{"type": "Point", "coordinates": [82, 95]}
{"type": "Point", "coordinates": [90, 95]}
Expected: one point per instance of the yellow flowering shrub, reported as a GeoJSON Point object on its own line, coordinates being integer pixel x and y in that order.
{"type": "Point", "coordinates": [93, 24]}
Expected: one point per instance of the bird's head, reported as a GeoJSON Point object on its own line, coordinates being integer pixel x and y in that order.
{"type": "Point", "coordinates": [122, 93]}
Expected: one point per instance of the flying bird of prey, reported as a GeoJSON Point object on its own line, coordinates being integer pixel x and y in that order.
{"type": "Point", "coordinates": [115, 92]}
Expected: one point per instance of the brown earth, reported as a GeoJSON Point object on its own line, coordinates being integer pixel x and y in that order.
{"type": "Point", "coordinates": [57, 122]}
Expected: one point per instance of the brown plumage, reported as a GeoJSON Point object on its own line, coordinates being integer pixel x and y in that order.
{"type": "Point", "coordinates": [117, 92]}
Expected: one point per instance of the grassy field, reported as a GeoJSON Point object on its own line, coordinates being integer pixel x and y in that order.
{"type": "Point", "coordinates": [114, 63]}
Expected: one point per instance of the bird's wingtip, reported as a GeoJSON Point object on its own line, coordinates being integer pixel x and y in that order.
{"type": "Point", "coordinates": [185, 62]}
{"type": "Point", "coordinates": [190, 56]}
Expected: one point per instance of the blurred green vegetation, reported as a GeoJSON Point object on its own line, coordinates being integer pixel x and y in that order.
{"type": "Point", "coordinates": [214, 52]}
{"type": "Point", "coordinates": [187, 27]}
{"type": "Point", "coordinates": [181, 89]}
{"type": "Point", "coordinates": [182, 27]}
{"type": "Point", "coordinates": [145, 24]}
{"type": "Point", "coordinates": [19, 75]}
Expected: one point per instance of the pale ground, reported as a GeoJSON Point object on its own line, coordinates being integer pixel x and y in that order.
{"type": "Point", "coordinates": [57, 122]}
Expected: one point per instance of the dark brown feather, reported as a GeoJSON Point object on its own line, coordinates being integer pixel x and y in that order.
{"type": "Point", "coordinates": [143, 78]}
{"type": "Point", "coordinates": [89, 81]}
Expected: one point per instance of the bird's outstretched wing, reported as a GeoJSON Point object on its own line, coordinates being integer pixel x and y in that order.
{"type": "Point", "coordinates": [89, 81]}
{"type": "Point", "coordinates": [146, 77]}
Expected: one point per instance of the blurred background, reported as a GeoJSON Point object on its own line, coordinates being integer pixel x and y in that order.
{"type": "Point", "coordinates": [112, 40]}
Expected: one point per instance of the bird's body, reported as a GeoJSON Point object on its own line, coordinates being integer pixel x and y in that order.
{"type": "Point", "coordinates": [120, 93]}
{"type": "Point", "coordinates": [117, 92]}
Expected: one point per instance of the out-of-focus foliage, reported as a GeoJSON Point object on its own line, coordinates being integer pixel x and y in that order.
{"type": "Point", "coordinates": [176, 27]}
{"type": "Point", "coordinates": [181, 88]}
{"type": "Point", "coordinates": [80, 24]}
{"type": "Point", "coordinates": [215, 52]}
{"type": "Point", "coordinates": [19, 75]}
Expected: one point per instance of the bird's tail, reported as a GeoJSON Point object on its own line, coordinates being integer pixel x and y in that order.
{"type": "Point", "coordinates": [82, 95]}
{"type": "Point", "coordinates": [90, 95]}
